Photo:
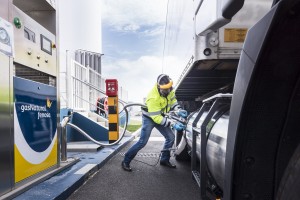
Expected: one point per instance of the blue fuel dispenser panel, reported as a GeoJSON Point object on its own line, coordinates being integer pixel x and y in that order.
{"type": "Point", "coordinates": [35, 142]}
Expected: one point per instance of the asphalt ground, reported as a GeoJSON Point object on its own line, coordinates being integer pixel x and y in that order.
{"type": "Point", "coordinates": [145, 182]}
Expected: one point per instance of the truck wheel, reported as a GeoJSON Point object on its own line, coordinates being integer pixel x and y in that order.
{"type": "Point", "coordinates": [184, 155]}
{"type": "Point", "coordinates": [289, 186]}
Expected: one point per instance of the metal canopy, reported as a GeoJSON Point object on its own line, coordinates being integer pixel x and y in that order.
{"type": "Point", "coordinates": [205, 78]}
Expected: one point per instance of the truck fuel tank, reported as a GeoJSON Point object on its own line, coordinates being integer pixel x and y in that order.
{"type": "Point", "coordinates": [216, 134]}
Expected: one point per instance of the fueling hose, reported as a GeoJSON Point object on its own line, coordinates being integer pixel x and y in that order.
{"type": "Point", "coordinates": [66, 122]}
{"type": "Point", "coordinates": [171, 115]}
{"type": "Point", "coordinates": [162, 151]}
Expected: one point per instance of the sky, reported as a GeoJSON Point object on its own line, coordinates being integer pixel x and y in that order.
{"type": "Point", "coordinates": [139, 42]}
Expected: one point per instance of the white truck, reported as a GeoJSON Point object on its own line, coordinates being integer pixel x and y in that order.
{"type": "Point", "coordinates": [242, 89]}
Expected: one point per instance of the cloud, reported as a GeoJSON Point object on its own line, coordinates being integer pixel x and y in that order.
{"type": "Point", "coordinates": [131, 27]}
{"type": "Point", "coordinates": [135, 74]}
{"type": "Point", "coordinates": [139, 76]}
{"type": "Point", "coordinates": [132, 15]}
{"type": "Point", "coordinates": [155, 31]}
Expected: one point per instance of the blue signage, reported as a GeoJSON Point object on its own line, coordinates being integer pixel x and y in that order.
{"type": "Point", "coordinates": [36, 109]}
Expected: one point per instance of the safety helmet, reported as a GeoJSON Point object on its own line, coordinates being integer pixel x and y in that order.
{"type": "Point", "coordinates": [164, 82]}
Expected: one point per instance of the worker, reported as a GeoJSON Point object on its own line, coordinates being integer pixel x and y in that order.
{"type": "Point", "coordinates": [160, 100]}
{"type": "Point", "coordinates": [102, 107]}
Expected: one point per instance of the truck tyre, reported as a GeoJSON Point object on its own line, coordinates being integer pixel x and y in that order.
{"type": "Point", "coordinates": [184, 155]}
{"type": "Point", "coordinates": [289, 186]}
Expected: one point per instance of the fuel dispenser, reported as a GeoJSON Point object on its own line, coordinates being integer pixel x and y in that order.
{"type": "Point", "coordinates": [113, 111]}
{"type": "Point", "coordinates": [29, 92]}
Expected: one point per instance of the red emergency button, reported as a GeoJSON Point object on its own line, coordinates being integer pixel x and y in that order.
{"type": "Point", "coordinates": [111, 87]}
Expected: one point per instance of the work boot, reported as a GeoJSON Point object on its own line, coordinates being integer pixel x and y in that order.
{"type": "Point", "coordinates": [126, 167]}
{"type": "Point", "coordinates": [167, 163]}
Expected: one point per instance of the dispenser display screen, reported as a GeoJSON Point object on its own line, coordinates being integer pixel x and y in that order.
{"type": "Point", "coordinates": [46, 45]}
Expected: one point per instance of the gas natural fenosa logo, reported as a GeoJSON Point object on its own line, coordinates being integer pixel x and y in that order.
{"type": "Point", "coordinates": [49, 103]}
{"type": "Point", "coordinates": [41, 110]}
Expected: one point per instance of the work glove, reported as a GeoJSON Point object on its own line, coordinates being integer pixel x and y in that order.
{"type": "Point", "coordinates": [181, 113]}
{"type": "Point", "coordinates": [178, 126]}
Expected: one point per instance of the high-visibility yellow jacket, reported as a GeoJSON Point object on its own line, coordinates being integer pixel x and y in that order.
{"type": "Point", "coordinates": [158, 105]}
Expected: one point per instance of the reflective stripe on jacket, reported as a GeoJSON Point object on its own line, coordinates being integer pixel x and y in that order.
{"type": "Point", "coordinates": [157, 105]}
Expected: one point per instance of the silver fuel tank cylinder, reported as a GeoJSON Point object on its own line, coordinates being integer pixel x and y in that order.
{"type": "Point", "coordinates": [216, 132]}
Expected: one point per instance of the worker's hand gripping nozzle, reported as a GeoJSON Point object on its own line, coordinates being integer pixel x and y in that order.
{"type": "Point", "coordinates": [179, 119]}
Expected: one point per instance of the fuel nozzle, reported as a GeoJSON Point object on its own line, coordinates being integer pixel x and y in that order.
{"type": "Point", "coordinates": [179, 119]}
{"type": "Point", "coordinates": [66, 119]}
{"type": "Point", "coordinates": [174, 117]}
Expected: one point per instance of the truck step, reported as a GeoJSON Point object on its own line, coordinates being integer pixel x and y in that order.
{"type": "Point", "coordinates": [196, 176]}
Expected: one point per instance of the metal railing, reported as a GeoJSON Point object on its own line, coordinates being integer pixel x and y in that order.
{"type": "Point", "coordinates": [185, 71]}
{"type": "Point", "coordinates": [81, 80]}
{"type": "Point", "coordinates": [83, 86]}
{"type": "Point", "coordinates": [121, 102]}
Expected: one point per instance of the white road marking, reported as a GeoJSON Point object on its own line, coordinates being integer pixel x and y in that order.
{"type": "Point", "coordinates": [85, 169]}
{"type": "Point", "coordinates": [155, 139]}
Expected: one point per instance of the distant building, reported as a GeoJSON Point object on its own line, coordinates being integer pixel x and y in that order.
{"type": "Point", "coordinates": [89, 59]}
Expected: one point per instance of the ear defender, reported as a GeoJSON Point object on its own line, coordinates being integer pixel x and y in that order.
{"type": "Point", "coordinates": [167, 86]}
{"type": "Point", "coordinates": [164, 82]}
